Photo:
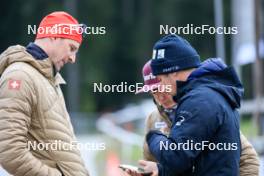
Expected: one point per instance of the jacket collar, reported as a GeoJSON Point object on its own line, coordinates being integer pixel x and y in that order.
{"type": "Point", "coordinates": [59, 79]}
{"type": "Point", "coordinates": [37, 52]}
{"type": "Point", "coordinates": [19, 53]}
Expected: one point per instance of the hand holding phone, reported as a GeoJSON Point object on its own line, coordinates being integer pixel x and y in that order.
{"type": "Point", "coordinates": [137, 171]}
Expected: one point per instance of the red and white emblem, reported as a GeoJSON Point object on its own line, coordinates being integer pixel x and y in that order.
{"type": "Point", "coordinates": [14, 84]}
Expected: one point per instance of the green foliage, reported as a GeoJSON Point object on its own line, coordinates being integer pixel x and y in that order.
{"type": "Point", "coordinates": [248, 127]}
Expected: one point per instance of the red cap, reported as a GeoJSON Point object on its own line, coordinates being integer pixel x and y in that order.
{"type": "Point", "coordinates": [150, 81]}
{"type": "Point", "coordinates": [60, 24]}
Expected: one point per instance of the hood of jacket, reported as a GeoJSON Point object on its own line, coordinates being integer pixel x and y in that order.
{"type": "Point", "coordinates": [214, 73]}
{"type": "Point", "coordinates": [18, 53]}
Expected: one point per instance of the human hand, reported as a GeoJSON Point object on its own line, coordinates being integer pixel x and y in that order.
{"type": "Point", "coordinates": [165, 130]}
{"type": "Point", "coordinates": [129, 172]}
{"type": "Point", "coordinates": [149, 168]}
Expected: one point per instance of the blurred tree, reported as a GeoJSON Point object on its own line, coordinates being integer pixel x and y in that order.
{"type": "Point", "coordinates": [132, 27]}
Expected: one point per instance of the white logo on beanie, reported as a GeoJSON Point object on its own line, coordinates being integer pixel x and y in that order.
{"type": "Point", "coordinates": [161, 53]}
{"type": "Point", "coordinates": [154, 54]}
{"type": "Point", "coordinates": [174, 68]}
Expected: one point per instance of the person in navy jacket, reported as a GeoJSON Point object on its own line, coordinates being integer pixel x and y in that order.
{"type": "Point", "coordinates": [204, 138]}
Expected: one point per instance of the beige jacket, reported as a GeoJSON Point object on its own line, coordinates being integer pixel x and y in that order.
{"type": "Point", "coordinates": [249, 161]}
{"type": "Point", "coordinates": [33, 113]}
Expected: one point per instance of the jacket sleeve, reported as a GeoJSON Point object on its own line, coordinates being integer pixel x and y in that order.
{"type": "Point", "coordinates": [17, 100]}
{"type": "Point", "coordinates": [249, 161]}
{"type": "Point", "coordinates": [194, 123]}
{"type": "Point", "coordinates": [148, 125]}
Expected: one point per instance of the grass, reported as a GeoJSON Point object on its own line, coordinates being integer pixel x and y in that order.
{"type": "Point", "coordinates": [248, 127]}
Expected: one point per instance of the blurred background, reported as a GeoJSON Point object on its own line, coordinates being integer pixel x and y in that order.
{"type": "Point", "coordinates": [132, 27]}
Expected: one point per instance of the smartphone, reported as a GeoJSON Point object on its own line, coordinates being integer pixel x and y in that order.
{"type": "Point", "coordinates": [134, 168]}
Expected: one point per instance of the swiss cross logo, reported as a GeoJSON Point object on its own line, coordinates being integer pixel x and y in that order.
{"type": "Point", "coordinates": [14, 84]}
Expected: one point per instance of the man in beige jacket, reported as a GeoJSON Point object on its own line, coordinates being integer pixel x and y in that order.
{"type": "Point", "coordinates": [37, 137]}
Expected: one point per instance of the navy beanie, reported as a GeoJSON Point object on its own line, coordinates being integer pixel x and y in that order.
{"type": "Point", "coordinates": [173, 53]}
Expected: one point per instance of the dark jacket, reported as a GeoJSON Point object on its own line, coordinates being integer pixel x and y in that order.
{"type": "Point", "coordinates": [207, 113]}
